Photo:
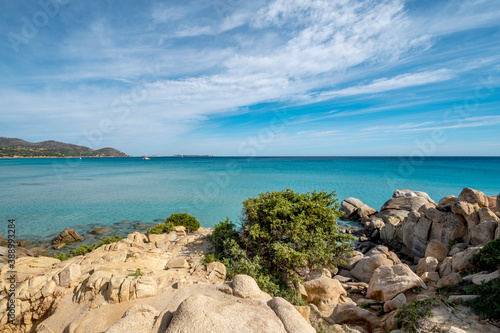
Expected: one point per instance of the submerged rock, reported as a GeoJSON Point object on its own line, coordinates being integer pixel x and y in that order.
{"type": "Point", "coordinates": [68, 235]}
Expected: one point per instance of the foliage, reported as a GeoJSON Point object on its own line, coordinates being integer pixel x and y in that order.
{"type": "Point", "coordinates": [455, 241]}
{"type": "Point", "coordinates": [409, 315]}
{"type": "Point", "coordinates": [84, 249]}
{"type": "Point", "coordinates": [282, 234]}
{"type": "Point", "coordinates": [208, 259]}
{"type": "Point", "coordinates": [129, 255]}
{"type": "Point", "coordinates": [161, 228]}
{"type": "Point", "coordinates": [488, 258]}
{"type": "Point", "coordinates": [136, 274]}
{"type": "Point", "coordinates": [184, 219]}
{"type": "Point", "coordinates": [61, 256]}
{"type": "Point", "coordinates": [487, 305]}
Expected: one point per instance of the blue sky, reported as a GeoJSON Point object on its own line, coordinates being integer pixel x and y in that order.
{"type": "Point", "coordinates": [240, 78]}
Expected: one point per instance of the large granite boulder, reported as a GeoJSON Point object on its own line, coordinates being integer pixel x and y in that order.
{"type": "Point", "coordinates": [351, 261]}
{"type": "Point", "coordinates": [405, 203]}
{"type": "Point", "coordinates": [201, 313]}
{"type": "Point", "coordinates": [473, 197]}
{"type": "Point", "coordinates": [364, 269]}
{"type": "Point", "coordinates": [324, 292]}
{"type": "Point", "coordinates": [350, 313]}
{"type": "Point", "coordinates": [437, 250]}
{"type": "Point", "coordinates": [448, 200]}
{"type": "Point", "coordinates": [290, 317]}
{"type": "Point", "coordinates": [349, 207]}
{"type": "Point", "coordinates": [389, 281]}
{"type": "Point", "coordinates": [446, 226]}
{"type": "Point", "coordinates": [449, 280]}
{"type": "Point", "coordinates": [68, 235]}
{"type": "Point", "coordinates": [392, 232]}
{"type": "Point", "coordinates": [468, 212]}
{"type": "Point", "coordinates": [409, 193]}
{"type": "Point", "coordinates": [138, 319]}
{"type": "Point", "coordinates": [244, 286]}
{"type": "Point", "coordinates": [461, 262]}
{"type": "Point", "coordinates": [427, 264]}
{"type": "Point", "coordinates": [486, 214]}
{"type": "Point", "coordinates": [483, 233]}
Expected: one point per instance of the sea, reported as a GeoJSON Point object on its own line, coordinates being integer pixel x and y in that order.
{"type": "Point", "coordinates": [47, 195]}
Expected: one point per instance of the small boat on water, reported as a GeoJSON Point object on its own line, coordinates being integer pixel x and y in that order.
{"type": "Point", "coordinates": [145, 157]}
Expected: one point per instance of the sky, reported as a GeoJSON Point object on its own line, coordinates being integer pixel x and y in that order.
{"type": "Point", "coordinates": [254, 78]}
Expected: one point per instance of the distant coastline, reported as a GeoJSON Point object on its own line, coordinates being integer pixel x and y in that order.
{"type": "Point", "coordinates": [18, 148]}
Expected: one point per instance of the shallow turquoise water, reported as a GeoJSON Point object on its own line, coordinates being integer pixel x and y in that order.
{"type": "Point", "coordinates": [47, 195]}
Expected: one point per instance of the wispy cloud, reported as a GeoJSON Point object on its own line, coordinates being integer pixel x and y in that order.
{"type": "Point", "coordinates": [397, 82]}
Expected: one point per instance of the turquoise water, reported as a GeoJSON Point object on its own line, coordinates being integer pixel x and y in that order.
{"type": "Point", "coordinates": [47, 195]}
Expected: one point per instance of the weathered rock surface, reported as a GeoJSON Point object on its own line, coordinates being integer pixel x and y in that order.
{"type": "Point", "coordinates": [449, 280]}
{"type": "Point", "coordinates": [324, 292]}
{"type": "Point", "coordinates": [483, 233]}
{"type": "Point", "coordinates": [428, 264]}
{"type": "Point", "coordinates": [290, 317]}
{"type": "Point", "coordinates": [473, 197]}
{"type": "Point", "coordinates": [138, 319]}
{"type": "Point", "coordinates": [351, 261]}
{"type": "Point", "coordinates": [102, 231]}
{"type": "Point", "coordinates": [68, 235]}
{"type": "Point", "coordinates": [395, 303]}
{"type": "Point", "coordinates": [461, 262]}
{"type": "Point", "coordinates": [389, 281]}
{"type": "Point", "coordinates": [245, 286]}
{"type": "Point", "coordinates": [437, 250]}
{"type": "Point", "coordinates": [349, 207]}
{"type": "Point", "coordinates": [485, 278]}
{"type": "Point", "coordinates": [349, 313]}
{"type": "Point", "coordinates": [363, 271]}
{"type": "Point", "coordinates": [225, 316]}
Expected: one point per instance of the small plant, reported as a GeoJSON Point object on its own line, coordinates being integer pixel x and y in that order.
{"type": "Point", "coordinates": [61, 256]}
{"type": "Point", "coordinates": [136, 274]}
{"type": "Point", "coordinates": [409, 315]}
{"type": "Point", "coordinates": [475, 208]}
{"type": "Point", "coordinates": [488, 258]}
{"type": "Point", "coordinates": [184, 219]}
{"type": "Point", "coordinates": [455, 241]}
{"type": "Point", "coordinates": [161, 228]}
{"type": "Point", "coordinates": [129, 255]}
{"type": "Point", "coordinates": [487, 305]}
{"type": "Point", "coordinates": [84, 249]}
{"type": "Point", "coordinates": [208, 259]}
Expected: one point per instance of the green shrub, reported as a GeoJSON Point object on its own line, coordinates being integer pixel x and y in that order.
{"type": "Point", "coordinates": [487, 305]}
{"type": "Point", "coordinates": [188, 221]}
{"type": "Point", "coordinates": [161, 228]}
{"type": "Point", "coordinates": [84, 249]}
{"type": "Point", "coordinates": [136, 274]}
{"type": "Point", "coordinates": [282, 234]}
{"type": "Point", "coordinates": [488, 258]}
{"type": "Point", "coordinates": [61, 256]}
{"type": "Point", "coordinates": [409, 315]}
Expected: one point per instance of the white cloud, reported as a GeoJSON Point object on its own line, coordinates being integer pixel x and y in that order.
{"type": "Point", "coordinates": [397, 82]}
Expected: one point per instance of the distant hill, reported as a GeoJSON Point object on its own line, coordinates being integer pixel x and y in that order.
{"type": "Point", "coordinates": [12, 147]}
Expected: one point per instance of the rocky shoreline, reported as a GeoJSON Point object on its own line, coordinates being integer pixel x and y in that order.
{"type": "Point", "coordinates": [158, 283]}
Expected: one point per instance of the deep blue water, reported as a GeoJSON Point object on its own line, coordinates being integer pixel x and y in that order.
{"type": "Point", "coordinates": [47, 195]}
